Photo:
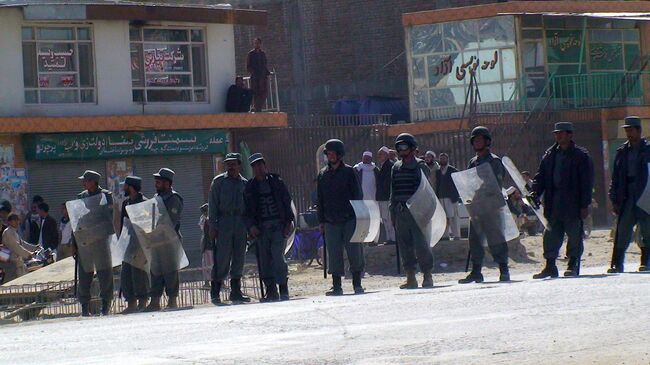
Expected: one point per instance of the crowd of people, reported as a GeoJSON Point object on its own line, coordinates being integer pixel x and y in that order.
{"type": "Point", "coordinates": [243, 213]}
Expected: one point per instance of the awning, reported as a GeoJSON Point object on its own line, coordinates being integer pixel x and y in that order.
{"type": "Point", "coordinates": [199, 12]}
{"type": "Point", "coordinates": [621, 16]}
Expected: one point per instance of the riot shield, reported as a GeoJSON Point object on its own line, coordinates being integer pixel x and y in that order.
{"type": "Point", "coordinates": [129, 244]}
{"type": "Point", "coordinates": [157, 236]}
{"type": "Point", "coordinates": [488, 211]}
{"type": "Point", "coordinates": [292, 236]}
{"type": "Point", "coordinates": [92, 224]}
{"type": "Point", "coordinates": [368, 220]}
{"type": "Point", "coordinates": [427, 212]}
{"type": "Point", "coordinates": [521, 185]}
{"type": "Point", "coordinates": [644, 199]}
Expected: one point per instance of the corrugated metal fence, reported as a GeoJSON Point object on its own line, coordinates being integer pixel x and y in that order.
{"type": "Point", "coordinates": [291, 152]}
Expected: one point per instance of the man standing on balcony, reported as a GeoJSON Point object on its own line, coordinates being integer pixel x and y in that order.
{"type": "Point", "coordinates": [629, 180]}
{"type": "Point", "coordinates": [256, 65]}
{"type": "Point", "coordinates": [565, 179]}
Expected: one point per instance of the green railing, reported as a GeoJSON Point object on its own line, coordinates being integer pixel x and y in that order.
{"type": "Point", "coordinates": [597, 90]}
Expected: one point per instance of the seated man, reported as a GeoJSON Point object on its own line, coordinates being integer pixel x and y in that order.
{"type": "Point", "coordinates": [524, 215]}
{"type": "Point", "coordinates": [239, 98]}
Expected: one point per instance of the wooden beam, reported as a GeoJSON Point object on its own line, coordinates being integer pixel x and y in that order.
{"type": "Point", "coordinates": [176, 13]}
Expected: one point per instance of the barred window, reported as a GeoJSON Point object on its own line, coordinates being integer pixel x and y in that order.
{"type": "Point", "coordinates": [168, 65]}
{"type": "Point", "coordinates": [58, 65]}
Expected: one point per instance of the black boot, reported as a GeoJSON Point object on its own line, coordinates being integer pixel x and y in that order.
{"type": "Point", "coordinates": [106, 307]}
{"type": "Point", "coordinates": [236, 295]}
{"type": "Point", "coordinates": [271, 291]}
{"type": "Point", "coordinates": [474, 276]}
{"type": "Point", "coordinates": [284, 290]}
{"type": "Point", "coordinates": [504, 273]}
{"type": "Point", "coordinates": [549, 271]}
{"type": "Point", "coordinates": [356, 283]}
{"type": "Point", "coordinates": [215, 292]}
{"type": "Point", "coordinates": [573, 267]}
{"type": "Point", "coordinates": [85, 310]}
{"type": "Point", "coordinates": [645, 256]}
{"type": "Point", "coordinates": [618, 266]}
{"type": "Point", "coordinates": [336, 289]}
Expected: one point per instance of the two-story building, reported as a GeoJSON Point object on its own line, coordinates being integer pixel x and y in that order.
{"type": "Point", "coordinates": [120, 88]}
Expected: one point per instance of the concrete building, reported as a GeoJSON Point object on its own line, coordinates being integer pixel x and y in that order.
{"type": "Point", "coordinates": [120, 88]}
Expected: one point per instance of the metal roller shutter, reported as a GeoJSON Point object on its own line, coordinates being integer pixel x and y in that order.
{"type": "Point", "coordinates": [56, 181]}
{"type": "Point", "coordinates": [188, 181]}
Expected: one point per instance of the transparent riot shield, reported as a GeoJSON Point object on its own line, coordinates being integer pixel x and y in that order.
{"type": "Point", "coordinates": [368, 220]}
{"type": "Point", "coordinates": [644, 199]}
{"type": "Point", "coordinates": [521, 185]}
{"type": "Point", "coordinates": [158, 239]}
{"type": "Point", "coordinates": [488, 211]}
{"type": "Point", "coordinates": [92, 224]}
{"type": "Point", "coordinates": [129, 244]}
{"type": "Point", "coordinates": [292, 236]}
{"type": "Point", "coordinates": [427, 212]}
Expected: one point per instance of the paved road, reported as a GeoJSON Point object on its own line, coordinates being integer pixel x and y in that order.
{"type": "Point", "coordinates": [595, 319]}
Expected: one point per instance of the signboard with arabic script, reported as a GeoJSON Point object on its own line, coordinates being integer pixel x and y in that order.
{"type": "Point", "coordinates": [120, 144]}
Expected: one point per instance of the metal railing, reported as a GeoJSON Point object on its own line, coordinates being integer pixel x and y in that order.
{"type": "Point", "coordinates": [273, 99]}
{"type": "Point", "coordinates": [338, 120]}
{"type": "Point", "coordinates": [597, 90]}
{"type": "Point", "coordinates": [57, 299]}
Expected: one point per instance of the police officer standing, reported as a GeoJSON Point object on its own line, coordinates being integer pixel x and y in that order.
{"type": "Point", "coordinates": [565, 179]}
{"type": "Point", "coordinates": [134, 281]}
{"type": "Point", "coordinates": [226, 210]}
{"type": "Point", "coordinates": [629, 180]}
{"type": "Point", "coordinates": [90, 182]}
{"type": "Point", "coordinates": [169, 281]}
{"type": "Point", "coordinates": [337, 185]}
{"type": "Point", "coordinates": [405, 181]}
{"type": "Point", "coordinates": [481, 141]}
{"type": "Point", "coordinates": [269, 221]}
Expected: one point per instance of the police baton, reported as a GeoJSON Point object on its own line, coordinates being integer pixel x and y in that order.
{"type": "Point", "coordinates": [256, 242]}
{"type": "Point", "coordinates": [76, 273]}
{"type": "Point", "coordinates": [397, 258]}
{"type": "Point", "coordinates": [614, 261]}
{"type": "Point", "coordinates": [469, 250]}
{"type": "Point", "coordinates": [324, 255]}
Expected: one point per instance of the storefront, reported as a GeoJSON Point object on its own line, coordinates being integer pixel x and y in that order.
{"type": "Point", "coordinates": [56, 160]}
{"type": "Point", "coordinates": [573, 54]}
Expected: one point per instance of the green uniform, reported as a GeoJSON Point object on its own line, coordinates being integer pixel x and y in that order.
{"type": "Point", "coordinates": [169, 282]}
{"type": "Point", "coordinates": [105, 276]}
{"type": "Point", "coordinates": [226, 211]}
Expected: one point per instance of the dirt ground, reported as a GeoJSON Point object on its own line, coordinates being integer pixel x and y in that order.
{"type": "Point", "coordinates": [526, 256]}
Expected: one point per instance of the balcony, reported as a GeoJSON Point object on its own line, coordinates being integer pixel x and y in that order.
{"type": "Point", "coordinates": [598, 90]}
{"type": "Point", "coordinates": [272, 100]}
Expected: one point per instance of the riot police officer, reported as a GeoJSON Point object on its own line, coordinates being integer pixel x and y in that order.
{"type": "Point", "coordinates": [337, 185]}
{"type": "Point", "coordinates": [95, 257]}
{"type": "Point", "coordinates": [167, 281]}
{"type": "Point", "coordinates": [405, 180]}
{"type": "Point", "coordinates": [481, 140]}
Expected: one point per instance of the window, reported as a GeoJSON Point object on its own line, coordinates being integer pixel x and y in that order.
{"type": "Point", "coordinates": [443, 56]}
{"type": "Point", "coordinates": [58, 65]}
{"type": "Point", "coordinates": [168, 65]}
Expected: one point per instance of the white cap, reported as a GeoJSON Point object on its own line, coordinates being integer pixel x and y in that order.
{"type": "Point", "coordinates": [367, 153]}
{"type": "Point", "coordinates": [384, 149]}
{"type": "Point", "coordinates": [510, 190]}
{"type": "Point", "coordinates": [431, 153]}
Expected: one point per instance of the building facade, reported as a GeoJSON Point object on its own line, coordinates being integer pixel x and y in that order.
{"type": "Point", "coordinates": [121, 89]}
